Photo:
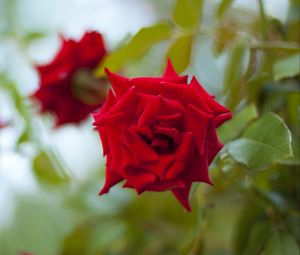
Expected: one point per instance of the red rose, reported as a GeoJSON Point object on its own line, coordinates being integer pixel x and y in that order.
{"type": "Point", "coordinates": [159, 133]}
{"type": "Point", "coordinates": [67, 87]}
{"type": "Point", "coordinates": [3, 124]}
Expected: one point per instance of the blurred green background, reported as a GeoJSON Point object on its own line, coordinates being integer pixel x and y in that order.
{"type": "Point", "coordinates": [246, 53]}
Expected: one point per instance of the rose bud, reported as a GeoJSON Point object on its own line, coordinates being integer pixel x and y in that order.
{"type": "Point", "coordinates": [67, 88]}
{"type": "Point", "coordinates": [159, 133]}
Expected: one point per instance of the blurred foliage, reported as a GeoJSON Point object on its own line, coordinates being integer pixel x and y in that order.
{"type": "Point", "coordinates": [253, 207]}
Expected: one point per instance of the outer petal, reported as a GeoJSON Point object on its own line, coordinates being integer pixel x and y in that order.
{"type": "Point", "coordinates": [197, 121]}
{"type": "Point", "coordinates": [139, 178]}
{"type": "Point", "coordinates": [170, 71]}
{"type": "Point", "coordinates": [221, 113]}
{"type": "Point", "coordinates": [213, 143]}
{"type": "Point", "coordinates": [119, 83]}
{"type": "Point", "coordinates": [111, 179]}
{"type": "Point", "coordinates": [182, 194]}
{"type": "Point", "coordinates": [151, 85]}
{"type": "Point", "coordinates": [91, 50]}
{"type": "Point", "coordinates": [165, 185]}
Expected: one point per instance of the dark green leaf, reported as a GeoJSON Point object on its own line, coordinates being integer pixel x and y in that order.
{"type": "Point", "coordinates": [292, 223]}
{"type": "Point", "coordinates": [135, 48]}
{"type": "Point", "coordinates": [264, 142]}
{"type": "Point", "coordinates": [251, 214]}
{"type": "Point", "coordinates": [188, 13]}
{"type": "Point", "coordinates": [180, 52]}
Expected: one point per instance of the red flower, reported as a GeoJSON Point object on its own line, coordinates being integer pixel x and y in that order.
{"type": "Point", "coordinates": [4, 124]}
{"type": "Point", "coordinates": [159, 133]}
{"type": "Point", "coordinates": [67, 87]}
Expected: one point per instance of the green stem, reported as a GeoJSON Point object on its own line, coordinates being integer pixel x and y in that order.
{"type": "Point", "coordinates": [263, 20]}
{"type": "Point", "coordinates": [24, 112]}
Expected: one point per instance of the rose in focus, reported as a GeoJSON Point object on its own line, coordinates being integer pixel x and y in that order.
{"type": "Point", "coordinates": [159, 133]}
{"type": "Point", "coordinates": [67, 88]}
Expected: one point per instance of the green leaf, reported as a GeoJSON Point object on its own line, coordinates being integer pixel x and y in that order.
{"type": "Point", "coordinates": [281, 243]}
{"type": "Point", "coordinates": [46, 171]}
{"type": "Point", "coordinates": [223, 7]}
{"type": "Point", "coordinates": [25, 136]}
{"type": "Point", "coordinates": [135, 48]}
{"type": "Point", "coordinates": [257, 237]}
{"type": "Point", "coordinates": [223, 36]}
{"type": "Point", "coordinates": [236, 125]}
{"type": "Point", "coordinates": [266, 141]}
{"type": "Point", "coordinates": [78, 240]}
{"type": "Point", "coordinates": [287, 67]}
{"type": "Point", "coordinates": [234, 72]}
{"type": "Point", "coordinates": [32, 36]}
{"type": "Point", "coordinates": [292, 223]}
{"type": "Point", "coordinates": [251, 213]}
{"type": "Point", "coordinates": [187, 14]}
{"type": "Point", "coordinates": [180, 52]}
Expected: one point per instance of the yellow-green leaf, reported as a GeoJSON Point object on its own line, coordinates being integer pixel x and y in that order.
{"type": "Point", "coordinates": [287, 67]}
{"type": "Point", "coordinates": [139, 44]}
{"type": "Point", "coordinates": [46, 171]}
{"type": "Point", "coordinates": [234, 72]}
{"type": "Point", "coordinates": [187, 13]}
{"type": "Point", "coordinates": [180, 52]}
{"type": "Point", "coordinates": [223, 7]}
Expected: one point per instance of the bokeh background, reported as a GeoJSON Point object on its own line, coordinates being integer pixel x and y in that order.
{"type": "Point", "coordinates": [246, 53]}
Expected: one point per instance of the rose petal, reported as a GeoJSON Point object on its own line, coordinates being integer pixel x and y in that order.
{"type": "Point", "coordinates": [127, 103]}
{"type": "Point", "coordinates": [119, 83]}
{"type": "Point", "coordinates": [183, 156]}
{"type": "Point", "coordinates": [170, 132]}
{"type": "Point", "coordinates": [198, 171]}
{"type": "Point", "coordinates": [170, 71]}
{"type": "Point", "coordinates": [215, 107]}
{"type": "Point", "coordinates": [151, 109]}
{"type": "Point", "coordinates": [109, 102]}
{"type": "Point", "coordinates": [182, 195]}
{"type": "Point", "coordinates": [165, 185]}
{"type": "Point", "coordinates": [139, 178]}
{"type": "Point", "coordinates": [221, 118]}
{"type": "Point", "coordinates": [93, 49]}
{"type": "Point", "coordinates": [137, 151]}
{"type": "Point", "coordinates": [151, 85]}
{"type": "Point", "coordinates": [197, 121]}
{"type": "Point", "coordinates": [111, 179]}
{"type": "Point", "coordinates": [213, 143]}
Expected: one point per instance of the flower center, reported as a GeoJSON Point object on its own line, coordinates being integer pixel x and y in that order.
{"type": "Point", "coordinates": [87, 88]}
{"type": "Point", "coordinates": [161, 140]}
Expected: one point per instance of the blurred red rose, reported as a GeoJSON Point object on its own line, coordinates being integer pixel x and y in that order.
{"type": "Point", "coordinates": [159, 133]}
{"type": "Point", "coordinates": [4, 124]}
{"type": "Point", "coordinates": [67, 87]}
